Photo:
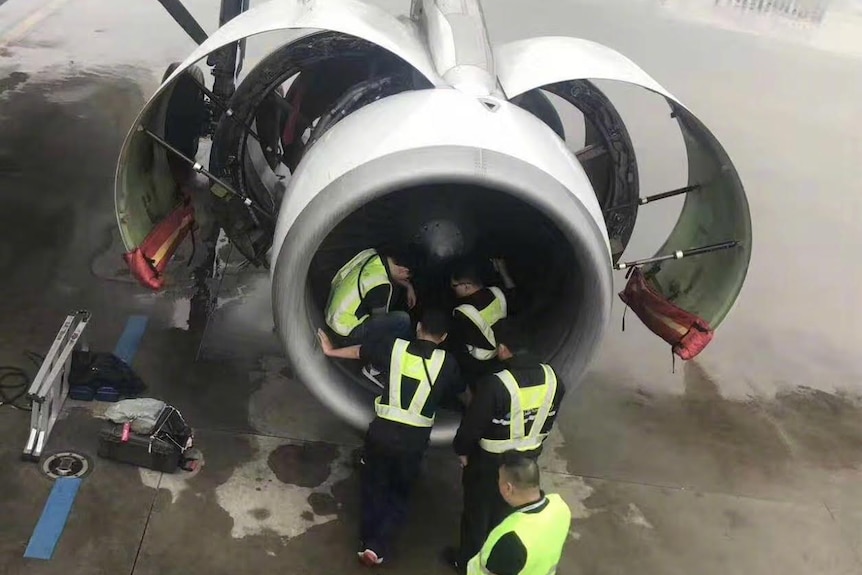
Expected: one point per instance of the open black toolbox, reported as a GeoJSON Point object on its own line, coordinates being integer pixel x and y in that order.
{"type": "Point", "coordinates": [162, 450]}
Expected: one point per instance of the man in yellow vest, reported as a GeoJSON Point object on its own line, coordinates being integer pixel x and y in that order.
{"type": "Point", "coordinates": [530, 540]}
{"type": "Point", "coordinates": [418, 376]}
{"type": "Point", "coordinates": [514, 408]}
{"type": "Point", "coordinates": [478, 310]}
{"type": "Point", "coordinates": [367, 299]}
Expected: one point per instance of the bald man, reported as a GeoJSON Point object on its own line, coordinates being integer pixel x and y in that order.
{"type": "Point", "coordinates": [530, 540]}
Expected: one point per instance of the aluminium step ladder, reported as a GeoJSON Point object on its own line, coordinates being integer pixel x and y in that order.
{"type": "Point", "coordinates": [51, 385]}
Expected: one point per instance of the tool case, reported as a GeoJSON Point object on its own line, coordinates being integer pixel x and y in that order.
{"type": "Point", "coordinates": [161, 450]}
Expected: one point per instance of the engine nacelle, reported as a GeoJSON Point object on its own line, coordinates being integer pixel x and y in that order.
{"type": "Point", "coordinates": [418, 132]}
{"type": "Point", "coordinates": [387, 172]}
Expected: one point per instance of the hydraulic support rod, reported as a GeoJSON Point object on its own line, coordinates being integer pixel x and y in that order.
{"type": "Point", "coordinates": [679, 254]}
{"type": "Point", "coordinates": [201, 170]}
{"type": "Point", "coordinates": [661, 196]}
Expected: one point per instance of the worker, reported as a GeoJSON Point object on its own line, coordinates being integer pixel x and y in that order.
{"type": "Point", "coordinates": [419, 375]}
{"type": "Point", "coordinates": [513, 409]}
{"type": "Point", "coordinates": [364, 301]}
{"type": "Point", "coordinates": [478, 309]}
{"type": "Point", "coordinates": [530, 540]}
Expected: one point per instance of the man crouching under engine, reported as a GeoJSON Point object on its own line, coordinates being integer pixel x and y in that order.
{"type": "Point", "coordinates": [418, 375]}
{"type": "Point", "coordinates": [368, 299]}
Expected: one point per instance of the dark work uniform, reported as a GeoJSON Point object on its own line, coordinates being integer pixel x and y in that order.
{"type": "Point", "coordinates": [464, 332]}
{"type": "Point", "coordinates": [393, 451]}
{"type": "Point", "coordinates": [484, 507]}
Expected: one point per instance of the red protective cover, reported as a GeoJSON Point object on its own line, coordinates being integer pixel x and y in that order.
{"type": "Point", "coordinates": [289, 133]}
{"type": "Point", "coordinates": [147, 262]}
{"type": "Point", "coordinates": [685, 332]}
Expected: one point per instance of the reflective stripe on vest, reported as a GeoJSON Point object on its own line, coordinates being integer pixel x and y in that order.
{"type": "Point", "coordinates": [349, 287]}
{"type": "Point", "coordinates": [405, 364]}
{"type": "Point", "coordinates": [543, 534]}
{"type": "Point", "coordinates": [538, 397]}
{"type": "Point", "coordinates": [485, 320]}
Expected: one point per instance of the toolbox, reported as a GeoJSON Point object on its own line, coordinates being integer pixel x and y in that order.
{"type": "Point", "coordinates": [161, 450]}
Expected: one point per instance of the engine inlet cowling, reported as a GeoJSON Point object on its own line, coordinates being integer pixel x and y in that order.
{"type": "Point", "coordinates": [387, 172]}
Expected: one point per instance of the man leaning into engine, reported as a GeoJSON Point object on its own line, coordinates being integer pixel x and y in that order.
{"type": "Point", "coordinates": [368, 299]}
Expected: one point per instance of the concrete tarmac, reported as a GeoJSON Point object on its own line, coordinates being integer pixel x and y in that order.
{"type": "Point", "coordinates": [747, 459]}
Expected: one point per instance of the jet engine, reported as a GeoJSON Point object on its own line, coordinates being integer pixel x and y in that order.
{"type": "Point", "coordinates": [364, 130]}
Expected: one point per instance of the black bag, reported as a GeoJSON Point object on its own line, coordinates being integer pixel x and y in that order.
{"type": "Point", "coordinates": [162, 450]}
{"type": "Point", "coordinates": [91, 372]}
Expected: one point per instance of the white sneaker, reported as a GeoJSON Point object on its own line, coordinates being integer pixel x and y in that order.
{"type": "Point", "coordinates": [370, 372]}
{"type": "Point", "coordinates": [369, 558]}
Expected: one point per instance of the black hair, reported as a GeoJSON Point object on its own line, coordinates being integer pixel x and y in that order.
{"type": "Point", "coordinates": [521, 471]}
{"type": "Point", "coordinates": [435, 322]}
{"type": "Point", "coordinates": [466, 270]}
{"type": "Point", "coordinates": [506, 333]}
{"type": "Point", "coordinates": [400, 256]}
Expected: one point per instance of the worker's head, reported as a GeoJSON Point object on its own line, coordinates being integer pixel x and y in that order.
{"type": "Point", "coordinates": [465, 279]}
{"type": "Point", "coordinates": [506, 338]}
{"type": "Point", "coordinates": [399, 267]}
{"type": "Point", "coordinates": [433, 325]}
{"type": "Point", "coordinates": [524, 356]}
{"type": "Point", "coordinates": [518, 479]}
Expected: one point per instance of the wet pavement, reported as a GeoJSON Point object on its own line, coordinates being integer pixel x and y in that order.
{"type": "Point", "coordinates": [747, 459]}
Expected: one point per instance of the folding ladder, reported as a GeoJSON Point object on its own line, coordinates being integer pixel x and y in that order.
{"type": "Point", "coordinates": [51, 385]}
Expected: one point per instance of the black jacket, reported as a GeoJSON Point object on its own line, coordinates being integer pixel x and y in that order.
{"type": "Point", "coordinates": [395, 436]}
{"type": "Point", "coordinates": [491, 400]}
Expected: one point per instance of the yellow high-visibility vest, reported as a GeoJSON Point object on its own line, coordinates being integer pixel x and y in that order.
{"type": "Point", "coordinates": [485, 319]}
{"type": "Point", "coordinates": [405, 364]}
{"type": "Point", "coordinates": [349, 287]}
{"type": "Point", "coordinates": [543, 534]}
{"type": "Point", "coordinates": [524, 433]}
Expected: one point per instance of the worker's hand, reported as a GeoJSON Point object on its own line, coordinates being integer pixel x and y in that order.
{"type": "Point", "coordinates": [411, 296]}
{"type": "Point", "coordinates": [500, 266]}
{"type": "Point", "coordinates": [503, 352]}
{"type": "Point", "coordinates": [325, 342]}
{"type": "Point", "coordinates": [463, 460]}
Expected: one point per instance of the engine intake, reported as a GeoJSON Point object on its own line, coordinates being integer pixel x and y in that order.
{"type": "Point", "coordinates": [383, 173]}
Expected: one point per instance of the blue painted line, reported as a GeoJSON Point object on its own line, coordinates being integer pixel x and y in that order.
{"type": "Point", "coordinates": [59, 504]}
{"type": "Point", "coordinates": [128, 344]}
{"type": "Point", "coordinates": [53, 519]}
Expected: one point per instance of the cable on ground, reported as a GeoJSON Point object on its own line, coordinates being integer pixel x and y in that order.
{"type": "Point", "coordinates": [15, 382]}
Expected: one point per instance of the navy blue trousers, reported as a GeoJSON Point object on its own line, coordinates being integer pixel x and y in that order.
{"type": "Point", "coordinates": [387, 479]}
{"type": "Point", "coordinates": [378, 326]}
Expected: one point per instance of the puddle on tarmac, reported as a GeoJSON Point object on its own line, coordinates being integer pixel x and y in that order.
{"type": "Point", "coordinates": [305, 465]}
{"type": "Point", "coordinates": [12, 81]}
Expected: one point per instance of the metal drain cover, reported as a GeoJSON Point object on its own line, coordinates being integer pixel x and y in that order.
{"type": "Point", "coordinates": [66, 464]}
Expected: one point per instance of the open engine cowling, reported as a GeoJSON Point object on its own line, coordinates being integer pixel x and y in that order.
{"type": "Point", "coordinates": [419, 133]}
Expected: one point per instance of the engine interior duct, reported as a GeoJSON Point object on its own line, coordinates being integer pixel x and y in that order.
{"type": "Point", "coordinates": [555, 253]}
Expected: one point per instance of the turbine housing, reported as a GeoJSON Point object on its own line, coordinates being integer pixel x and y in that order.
{"type": "Point", "coordinates": [388, 171]}
{"type": "Point", "coordinates": [421, 133]}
